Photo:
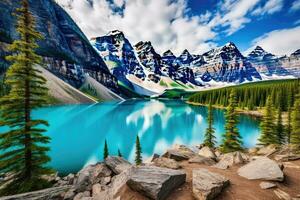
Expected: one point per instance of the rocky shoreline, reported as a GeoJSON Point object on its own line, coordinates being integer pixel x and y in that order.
{"type": "Point", "coordinates": [182, 173]}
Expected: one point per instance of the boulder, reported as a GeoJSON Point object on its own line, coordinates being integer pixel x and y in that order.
{"type": "Point", "coordinates": [207, 185]}
{"type": "Point", "coordinates": [262, 168]}
{"type": "Point", "coordinates": [268, 150]}
{"type": "Point", "coordinates": [253, 150]}
{"type": "Point", "coordinates": [287, 157]}
{"type": "Point", "coordinates": [83, 196]}
{"type": "Point", "coordinates": [202, 160]}
{"type": "Point", "coordinates": [179, 153]}
{"type": "Point", "coordinates": [70, 194]}
{"type": "Point", "coordinates": [267, 185]}
{"type": "Point", "coordinates": [117, 164]}
{"type": "Point", "coordinates": [166, 162]}
{"type": "Point", "coordinates": [49, 193]}
{"type": "Point", "coordinates": [230, 159]}
{"type": "Point", "coordinates": [155, 182]}
{"type": "Point", "coordinates": [110, 192]}
{"type": "Point", "coordinates": [207, 152]}
{"type": "Point", "coordinates": [90, 175]}
{"type": "Point", "coordinates": [151, 159]}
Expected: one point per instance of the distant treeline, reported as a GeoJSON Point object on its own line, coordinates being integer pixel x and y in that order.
{"type": "Point", "coordinates": [253, 95]}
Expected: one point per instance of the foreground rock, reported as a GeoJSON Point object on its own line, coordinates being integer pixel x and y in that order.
{"type": "Point", "coordinates": [155, 182]}
{"type": "Point", "coordinates": [268, 150]}
{"type": "Point", "coordinates": [207, 185]}
{"type": "Point", "coordinates": [287, 157]}
{"type": "Point", "coordinates": [262, 168]}
{"type": "Point", "coordinates": [282, 195]}
{"type": "Point", "coordinates": [267, 185]}
{"type": "Point", "coordinates": [230, 159]}
{"type": "Point", "coordinates": [117, 164]}
{"type": "Point", "coordinates": [98, 173]}
{"type": "Point", "coordinates": [179, 153]}
{"type": "Point", "coordinates": [49, 193]}
{"type": "Point", "coordinates": [166, 162]}
{"type": "Point", "coordinates": [207, 152]}
{"type": "Point", "coordinates": [202, 160]}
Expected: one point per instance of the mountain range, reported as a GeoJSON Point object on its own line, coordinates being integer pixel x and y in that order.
{"type": "Point", "coordinates": [111, 64]}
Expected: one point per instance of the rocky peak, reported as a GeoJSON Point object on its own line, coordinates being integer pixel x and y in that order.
{"type": "Point", "coordinates": [259, 54]}
{"type": "Point", "coordinates": [296, 53]}
{"type": "Point", "coordinates": [168, 53]}
{"type": "Point", "coordinates": [185, 57]}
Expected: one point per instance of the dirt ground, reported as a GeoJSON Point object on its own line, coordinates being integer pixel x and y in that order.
{"type": "Point", "coordinates": [239, 188]}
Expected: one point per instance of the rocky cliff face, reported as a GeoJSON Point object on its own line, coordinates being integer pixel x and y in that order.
{"type": "Point", "coordinates": [63, 41]}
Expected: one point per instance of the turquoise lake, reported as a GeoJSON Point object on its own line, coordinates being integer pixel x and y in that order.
{"type": "Point", "coordinates": [78, 131]}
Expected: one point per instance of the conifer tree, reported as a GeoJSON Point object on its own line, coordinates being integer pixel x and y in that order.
{"type": "Point", "coordinates": [268, 132]}
{"type": "Point", "coordinates": [105, 151]}
{"type": "Point", "coordinates": [280, 128]}
{"type": "Point", "coordinates": [231, 139]}
{"type": "Point", "coordinates": [295, 135]}
{"type": "Point", "coordinates": [119, 153]}
{"type": "Point", "coordinates": [209, 135]}
{"type": "Point", "coordinates": [289, 126]}
{"type": "Point", "coordinates": [138, 151]}
{"type": "Point", "coordinates": [24, 147]}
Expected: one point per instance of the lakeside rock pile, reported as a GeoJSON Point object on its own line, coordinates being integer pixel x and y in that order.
{"type": "Point", "coordinates": [161, 175]}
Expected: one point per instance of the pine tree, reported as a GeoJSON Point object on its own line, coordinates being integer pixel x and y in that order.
{"type": "Point", "coordinates": [280, 128]}
{"type": "Point", "coordinates": [268, 132]}
{"type": "Point", "coordinates": [105, 151]}
{"type": "Point", "coordinates": [295, 135]}
{"type": "Point", "coordinates": [289, 126]}
{"type": "Point", "coordinates": [23, 147]}
{"type": "Point", "coordinates": [209, 135]}
{"type": "Point", "coordinates": [138, 151]}
{"type": "Point", "coordinates": [119, 153]}
{"type": "Point", "coordinates": [231, 139]}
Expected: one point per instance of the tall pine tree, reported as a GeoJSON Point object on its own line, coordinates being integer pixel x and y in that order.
{"type": "Point", "coordinates": [288, 130]}
{"type": "Point", "coordinates": [295, 135]}
{"type": "Point", "coordinates": [209, 135]}
{"type": "Point", "coordinates": [280, 128]}
{"type": "Point", "coordinates": [23, 147]}
{"type": "Point", "coordinates": [105, 150]}
{"type": "Point", "coordinates": [138, 151]}
{"type": "Point", "coordinates": [268, 133]}
{"type": "Point", "coordinates": [231, 139]}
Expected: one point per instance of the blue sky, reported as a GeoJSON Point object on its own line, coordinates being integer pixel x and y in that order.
{"type": "Point", "coordinates": [196, 25]}
{"type": "Point", "coordinates": [281, 19]}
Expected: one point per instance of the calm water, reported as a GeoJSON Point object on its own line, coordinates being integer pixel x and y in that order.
{"type": "Point", "coordinates": [78, 131]}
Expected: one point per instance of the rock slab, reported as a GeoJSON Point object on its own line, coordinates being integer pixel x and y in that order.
{"type": "Point", "coordinates": [207, 152]}
{"type": "Point", "coordinates": [230, 159]}
{"type": "Point", "coordinates": [202, 160]}
{"type": "Point", "coordinates": [262, 168]}
{"type": "Point", "coordinates": [117, 164]}
{"type": "Point", "coordinates": [155, 182]}
{"type": "Point", "coordinates": [167, 163]}
{"type": "Point", "coordinates": [207, 185]}
{"type": "Point", "coordinates": [267, 185]}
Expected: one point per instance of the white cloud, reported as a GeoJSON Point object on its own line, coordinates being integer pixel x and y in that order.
{"type": "Point", "coordinates": [280, 42]}
{"type": "Point", "coordinates": [296, 5]}
{"type": "Point", "coordinates": [163, 23]}
{"type": "Point", "coordinates": [269, 7]}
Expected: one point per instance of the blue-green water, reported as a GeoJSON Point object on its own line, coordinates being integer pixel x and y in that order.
{"type": "Point", "coordinates": [78, 131]}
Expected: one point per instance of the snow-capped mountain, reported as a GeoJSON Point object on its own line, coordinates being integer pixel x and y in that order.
{"type": "Point", "coordinates": [143, 69]}
{"type": "Point", "coordinates": [266, 63]}
{"type": "Point", "coordinates": [226, 64]}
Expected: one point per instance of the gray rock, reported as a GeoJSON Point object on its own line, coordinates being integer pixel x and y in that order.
{"type": "Point", "coordinates": [117, 164]}
{"type": "Point", "coordinates": [262, 168]}
{"type": "Point", "coordinates": [267, 185]}
{"type": "Point", "coordinates": [202, 160]}
{"type": "Point", "coordinates": [230, 159]}
{"type": "Point", "coordinates": [90, 175]}
{"type": "Point", "coordinates": [287, 157]}
{"type": "Point", "coordinates": [155, 182]}
{"type": "Point", "coordinates": [49, 193]}
{"type": "Point", "coordinates": [207, 152]}
{"type": "Point", "coordinates": [268, 150]}
{"type": "Point", "coordinates": [70, 194]}
{"type": "Point", "coordinates": [151, 159]}
{"type": "Point", "coordinates": [207, 185]}
{"type": "Point", "coordinates": [83, 196]}
{"type": "Point", "coordinates": [166, 162]}
{"type": "Point", "coordinates": [179, 153]}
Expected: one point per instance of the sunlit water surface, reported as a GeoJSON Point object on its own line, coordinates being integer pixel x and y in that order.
{"type": "Point", "coordinates": [78, 131]}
